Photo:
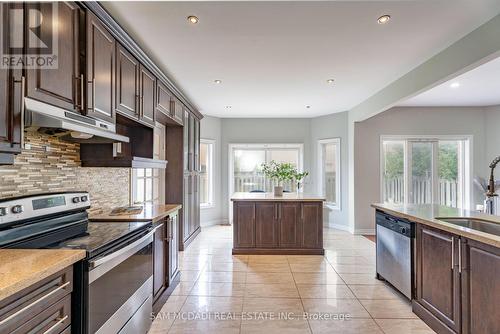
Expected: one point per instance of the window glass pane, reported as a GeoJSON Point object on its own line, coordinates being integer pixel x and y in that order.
{"type": "Point", "coordinates": [149, 172]}
{"type": "Point", "coordinates": [156, 189]}
{"type": "Point", "coordinates": [149, 190]}
{"type": "Point", "coordinates": [448, 171]}
{"type": "Point", "coordinates": [205, 178]}
{"type": "Point", "coordinates": [421, 173]}
{"type": "Point", "coordinates": [140, 172]}
{"type": "Point", "coordinates": [330, 172]}
{"type": "Point", "coordinates": [393, 171]}
{"type": "Point", "coordinates": [282, 156]}
{"type": "Point", "coordinates": [139, 191]}
{"type": "Point", "coordinates": [247, 174]}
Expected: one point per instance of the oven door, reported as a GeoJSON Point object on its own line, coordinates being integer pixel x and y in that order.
{"type": "Point", "coordinates": [120, 288]}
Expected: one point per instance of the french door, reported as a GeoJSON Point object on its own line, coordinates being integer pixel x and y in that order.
{"type": "Point", "coordinates": [426, 171]}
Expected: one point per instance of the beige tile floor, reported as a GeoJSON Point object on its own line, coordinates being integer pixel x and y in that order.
{"type": "Point", "coordinates": [221, 293]}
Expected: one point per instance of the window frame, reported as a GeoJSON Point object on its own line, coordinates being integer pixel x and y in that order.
{"type": "Point", "coordinates": [210, 176]}
{"type": "Point", "coordinates": [338, 177]}
{"type": "Point", "coordinates": [465, 161]}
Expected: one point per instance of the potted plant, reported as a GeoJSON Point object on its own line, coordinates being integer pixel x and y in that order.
{"type": "Point", "coordinates": [299, 177]}
{"type": "Point", "coordinates": [279, 172]}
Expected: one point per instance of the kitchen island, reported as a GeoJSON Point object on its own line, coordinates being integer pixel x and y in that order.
{"type": "Point", "coordinates": [267, 224]}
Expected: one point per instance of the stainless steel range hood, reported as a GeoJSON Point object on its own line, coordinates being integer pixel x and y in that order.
{"type": "Point", "coordinates": [67, 125]}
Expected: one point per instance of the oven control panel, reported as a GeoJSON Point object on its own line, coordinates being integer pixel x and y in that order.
{"type": "Point", "coordinates": [28, 207]}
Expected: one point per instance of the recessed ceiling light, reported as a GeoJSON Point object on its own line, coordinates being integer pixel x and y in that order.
{"type": "Point", "coordinates": [308, 107]}
{"type": "Point", "coordinates": [455, 85]}
{"type": "Point", "coordinates": [383, 19]}
{"type": "Point", "coordinates": [193, 19]}
{"type": "Point", "coordinates": [228, 107]}
{"type": "Point", "coordinates": [330, 81]}
{"type": "Point", "coordinates": [218, 81]}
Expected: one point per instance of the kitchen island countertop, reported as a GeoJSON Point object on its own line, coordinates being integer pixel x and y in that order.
{"type": "Point", "coordinates": [426, 214]}
{"type": "Point", "coordinates": [290, 197]}
{"type": "Point", "coordinates": [21, 268]}
{"type": "Point", "coordinates": [150, 213]}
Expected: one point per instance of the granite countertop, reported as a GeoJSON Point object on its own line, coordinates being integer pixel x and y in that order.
{"type": "Point", "coordinates": [21, 268]}
{"type": "Point", "coordinates": [291, 197]}
{"type": "Point", "coordinates": [150, 213]}
{"type": "Point", "coordinates": [426, 214]}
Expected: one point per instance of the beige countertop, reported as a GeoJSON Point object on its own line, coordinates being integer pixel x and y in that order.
{"type": "Point", "coordinates": [291, 197]}
{"type": "Point", "coordinates": [426, 214]}
{"type": "Point", "coordinates": [152, 213]}
{"type": "Point", "coordinates": [21, 268]}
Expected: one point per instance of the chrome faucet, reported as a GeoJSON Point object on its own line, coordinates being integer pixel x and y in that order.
{"type": "Point", "coordinates": [490, 201]}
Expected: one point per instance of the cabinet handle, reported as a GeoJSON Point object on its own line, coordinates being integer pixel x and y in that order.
{"type": "Point", "coordinates": [452, 253]}
{"type": "Point", "coordinates": [92, 83]}
{"type": "Point", "coordinates": [459, 255]}
{"type": "Point", "coordinates": [59, 322]}
{"type": "Point", "coordinates": [82, 91]}
{"type": "Point", "coordinates": [27, 307]}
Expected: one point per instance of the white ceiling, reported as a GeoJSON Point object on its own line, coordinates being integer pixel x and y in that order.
{"type": "Point", "coordinates": [478, 87]}
{"type": "Point", "coordinates": [274, 57]}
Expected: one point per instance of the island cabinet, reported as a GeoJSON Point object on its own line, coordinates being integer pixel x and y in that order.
{"type": "Point", "coordinates": [278, 227]}
{"type": "Point", "coordinates": [457, 285]}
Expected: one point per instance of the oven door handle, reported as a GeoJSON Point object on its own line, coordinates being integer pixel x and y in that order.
{"type": "Point", "coordinates": [99, 267]}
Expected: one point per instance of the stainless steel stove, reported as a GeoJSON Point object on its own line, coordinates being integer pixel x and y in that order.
{"type": "Point", "coordinates": [114, 283]}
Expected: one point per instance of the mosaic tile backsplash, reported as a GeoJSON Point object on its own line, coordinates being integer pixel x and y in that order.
{"type": "Point", "coordinates": [51, 165]}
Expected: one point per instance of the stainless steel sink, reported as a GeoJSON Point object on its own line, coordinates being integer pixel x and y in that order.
{"type": "Point", "coordinates": [474, 224]}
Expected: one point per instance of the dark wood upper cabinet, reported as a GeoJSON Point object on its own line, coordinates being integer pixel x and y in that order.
{"type": "Point", "coordinates": [147, 96]}
{"type": "Point", "coordinates": [290, 224]}
{"type": "Point", "coordinates": [480, 288]}
{"type": "Point", "coordinates": [178, 111]}
{"type": "Point", "coordinates": [62, 86]}
{"type": "Point", "coordinates": [163, 99]}
{"type": "Point", "coordinates": [100, 70]}
{"type": "Point", "coordinates": [244, 231]}
{"type": "Point", "coordinates": [437, 276]}
{"type": "Point", "coordinates": [312, 225]}
{"type": "Point", "coordinates": [127, 83]}
{"type": "Point", "coordinates": [266, 224]}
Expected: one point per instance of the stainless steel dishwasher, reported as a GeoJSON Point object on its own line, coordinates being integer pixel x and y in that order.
{"type": "Point", "coordinates": [395, 242]}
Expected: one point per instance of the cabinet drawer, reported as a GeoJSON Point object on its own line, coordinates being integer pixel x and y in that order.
{"type": "Point", "coordinates": [53, 320]}
{"type": "Point", "coordinates": [20, 308]}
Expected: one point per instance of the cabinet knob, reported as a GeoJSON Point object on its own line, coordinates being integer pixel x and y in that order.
{"type": "Point", "coordinates": [17, 209]}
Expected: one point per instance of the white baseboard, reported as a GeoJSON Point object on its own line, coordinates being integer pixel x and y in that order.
{"type": "Point", "coordinates": [364, 231]}
{"type": "Point", "coordinates": [214, 222]}
{"type": "Point", "coordinates": [340, 227]}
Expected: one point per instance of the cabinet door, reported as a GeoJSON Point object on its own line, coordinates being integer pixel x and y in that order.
{"type": "Point", "coordinates": [191, 142]}
{"type": "Point", "coordinates": [100, 70]}
{"type": "Point", "coordinates": [127, 83]}
{"type": "Point", "coordinates": [195, 204]}
{"type": "Point", "coordinates": [438, 279]}
{"type": "Point", "coordinates": [187, 155]}
{"type": "Point", "coordinates": [312, 225]}
{"type": "Point", "coordinates": [266, 224]}
{"type": "Point", "coordinates": [61, 86]}
{"type": "Point", "coordinates": [244, 227]}
{"type": "Point", "coordinates": [197, 166]}
{"type": "Point", "coordinates": [147, 96]}
{"type": "Point", "coordinates": [480, 288]}
{"type": "Point", "coordinates": [186, 207]}
{"type": "Point", "coordinates": [163, 99]}
{"type": "Point", "coordinates": [159, 273]}
{"type": "Point", "coordinates": [178, 112]}
{"type": "Point", "coordinates": [173, 255]}
{"type": "Point", "coordinates": [290, 225]}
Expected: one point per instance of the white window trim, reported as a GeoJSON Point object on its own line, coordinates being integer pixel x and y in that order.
{"type": "Point", "coordinates": [233, 146]}
{"type": "Point", "coordinates": [468, 194]}
{"type": "Point", "coordinates": [211, 179]}
{"type": "Point", "coordinates": [337, 142]}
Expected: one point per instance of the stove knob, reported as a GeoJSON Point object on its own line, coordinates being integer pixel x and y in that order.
{"type": "Point", "coordinates": [84, 198]}
{"type": "Point", "coordinates": [17, 209]}
{"type": "Point", "coordinates": [403, 230]}
{"type": "Point", "coordinates": [76, 200]}
{"type": "Point", "coordinates": [3, 212]}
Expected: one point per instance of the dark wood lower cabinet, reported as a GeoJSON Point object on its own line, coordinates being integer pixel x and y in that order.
{"type": "Point", "coordinates": [272, 227]}
{"type": "Point", "coordinates": [480, 288]}
{"type": "Point", "coordinates": [173, 247]}
{"type": "Point", "coordinates": [159, 260]}
{"type": "Point", "coordinates": [438, 277]}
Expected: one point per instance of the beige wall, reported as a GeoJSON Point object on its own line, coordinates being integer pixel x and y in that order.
{"type": "Point", "coordinates": [51, 165]}
{"type": "Point", "coordinates": [408, 121]}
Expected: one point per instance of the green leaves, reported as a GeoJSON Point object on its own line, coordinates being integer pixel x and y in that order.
{"type": "Point", "coordinates": [282, 172]}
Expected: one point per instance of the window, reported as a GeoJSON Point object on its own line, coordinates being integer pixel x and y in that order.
{"type": "Point", "coordinates": [206, 174]}
{"type": "Point", "coordinates": [329, 171]}
{"type": "Point", "coordinates": [426, 171]}
{"type": "Point", "coordinates": [247, 159]}
{"type": "Point", "coordinates": [148, 183]}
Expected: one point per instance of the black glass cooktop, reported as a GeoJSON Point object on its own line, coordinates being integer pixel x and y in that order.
{"type": "Point", "coordinates": [101, 236]}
